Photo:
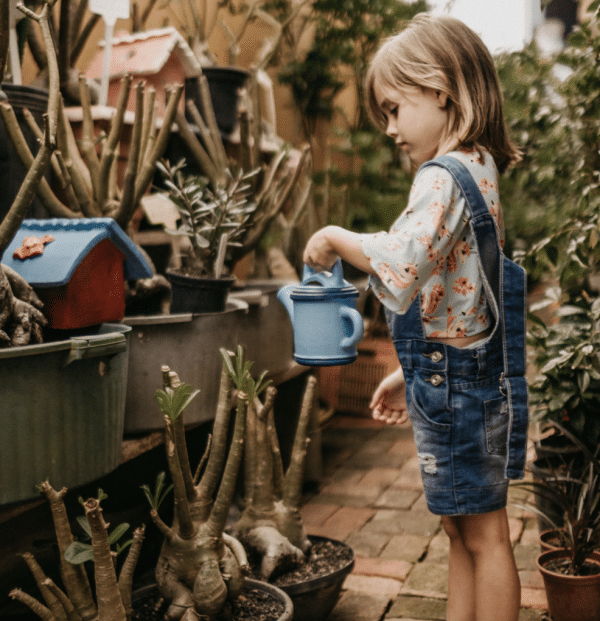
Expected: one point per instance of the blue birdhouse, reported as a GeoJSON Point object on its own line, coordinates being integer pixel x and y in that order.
{"type": "Point", "coordinates": [78, 268]}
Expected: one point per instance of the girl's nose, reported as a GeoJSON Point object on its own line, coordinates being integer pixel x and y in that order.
{"type": "Point", "coordinates": [391, 129]}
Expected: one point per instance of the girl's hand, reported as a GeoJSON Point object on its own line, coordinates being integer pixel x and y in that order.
{"type": "Point", "coordinates": [320, 252]}
{"type": "Point", "coordinates": [389, 399]}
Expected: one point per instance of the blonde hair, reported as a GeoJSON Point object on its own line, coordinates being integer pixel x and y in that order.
{"type": "Point", "coordinates": [444, 54]}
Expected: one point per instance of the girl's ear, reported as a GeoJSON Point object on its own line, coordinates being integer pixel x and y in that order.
{"type": "Point", "coordinates": [442, 99]}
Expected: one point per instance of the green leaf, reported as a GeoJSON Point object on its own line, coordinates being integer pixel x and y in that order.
{"type": "Point", "coordinates": [79, 552]}
{"type": "Point", "coordinates": [173, 402]}
{"type": "Point", "coordinates": [583, 381]}
{"type": "Point", "coordinates": [85, 525]}
{"type": "Point", "coordinates": [123, 546]}
{"type": "Point", "coordinates": [117, 533]}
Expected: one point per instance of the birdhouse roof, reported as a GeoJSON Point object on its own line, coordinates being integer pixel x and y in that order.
{"type": "Point", "coordinates": [73, 240]}
{"type": "Point", "coordinates": [145, 53]}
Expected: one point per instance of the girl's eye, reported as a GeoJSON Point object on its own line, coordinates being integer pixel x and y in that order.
{"type": "Point", "coordinates": [393, 111]}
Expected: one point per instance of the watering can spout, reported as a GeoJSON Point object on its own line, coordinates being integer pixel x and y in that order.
{"type": "Point", "coordinates": [284, 296]}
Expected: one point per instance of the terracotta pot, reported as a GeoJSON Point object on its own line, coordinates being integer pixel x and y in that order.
{"type": "Point", "coordinates": [570, 598]}
{"type": "Point", "coordinates": [549, 540]}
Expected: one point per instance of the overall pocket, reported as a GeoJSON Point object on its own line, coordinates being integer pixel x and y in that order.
{"type": "Point", "coordinates": [496, 425]}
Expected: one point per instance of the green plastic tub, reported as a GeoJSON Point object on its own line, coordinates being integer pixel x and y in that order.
{"type": "Point", "coordinates": [62, 411]}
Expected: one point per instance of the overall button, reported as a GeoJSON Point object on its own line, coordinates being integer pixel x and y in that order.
{"type": "Point", "coordinates": [435, 356]}
{"type": "Point", "coordinates": [436, 379]}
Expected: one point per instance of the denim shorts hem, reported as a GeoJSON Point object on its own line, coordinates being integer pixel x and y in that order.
{"type": "Point", "coordinates": [468, 501]}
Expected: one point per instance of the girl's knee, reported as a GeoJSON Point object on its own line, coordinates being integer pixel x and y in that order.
{"type": "Point", "coordinates": [482, 534]}
{"type": "Point", "coordinates": [451, 527]}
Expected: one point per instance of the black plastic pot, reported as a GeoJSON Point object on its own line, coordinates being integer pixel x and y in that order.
{"type": "Point", "coordinates": [315, 599]}
{"type": "Point", "coordinates": [223, 83]}
{"type": "Point", "coordinates": [12, 171]}
{"type": "Point", "coordinates": [192, 294]}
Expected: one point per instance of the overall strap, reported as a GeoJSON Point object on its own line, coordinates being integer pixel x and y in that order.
{"type": "Point", "coordinates": [506, 281]}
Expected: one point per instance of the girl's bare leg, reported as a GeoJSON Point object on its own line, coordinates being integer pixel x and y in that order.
{"type": "Point", "coordinates": [496, 591]}
{"type": "Point", "coordinates": [461, 575]}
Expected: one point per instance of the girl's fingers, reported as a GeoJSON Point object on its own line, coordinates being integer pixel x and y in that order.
{"type": "Point", "coordinates": [391, 417]}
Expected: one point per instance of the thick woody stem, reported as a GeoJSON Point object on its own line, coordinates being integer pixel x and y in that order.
{"type": "Point", "coordinates": [222, 506]}
{"type": "Point", "coordinates": [88, 142]}
{"type": "Point", "coordinates": [127, 206]}
{"type": "Point", "coordinates": [146, 173]}
{"type": "Point", "coordinates": [207, 138]}
{"type": "Point", "coordinates": [39, 609]}
{"type": "Point", "coordinates": [295, 473]}
{"type": "Point", "coordinates": [178, 428]}
{"type": "Point", "coordinates": [12, 221]}
{"type": "Point", "coordinates": [149, 125]}
{"type": "Point", "coordinates": [256, 233]}
{"type": "Point", "coordinates": [40, 579]}
{"type": "Point", "coordinates": [109, 149]}
{"type": "Point", "coordinates": [74, 577]}
{"type": "Point", "coordinates": [78, 171]}
{"type": "Point", "coordinates": [263, 500]}
{"type": "Point", "coordinates": [278, 470]}
{"type": "Point", "coordinates": [108, 597]}
{"type": "Point", "coordinates": [185, 526]}
{"type": "Point", "coordinates": [211, 121]}
{"type": "Point", "coordinates": [166, 532]}
{"type": "Point", "coordinates": [198, 151]}
{"type": "Point", "coordinates": [67, 604]}
{"type": "Point", "coordinates": [218, 450]}
{"type": "Point", "coordinates": [126, 575]}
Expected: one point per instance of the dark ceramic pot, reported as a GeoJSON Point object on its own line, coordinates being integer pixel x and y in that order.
{"type": "Point", "coordinates": [287, 614]}
{"type": "Point", "coordinates": [314, 599]}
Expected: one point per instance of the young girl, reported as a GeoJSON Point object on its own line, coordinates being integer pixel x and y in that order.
{"type": "Point", "coordinates": [455, 305]}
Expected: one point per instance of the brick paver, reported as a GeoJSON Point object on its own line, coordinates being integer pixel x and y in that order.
{"type": "Point", "coordinates": [371, 496]}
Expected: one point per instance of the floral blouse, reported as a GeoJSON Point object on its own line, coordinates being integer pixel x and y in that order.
{"type": "Point", "coordinates": [430, 251]}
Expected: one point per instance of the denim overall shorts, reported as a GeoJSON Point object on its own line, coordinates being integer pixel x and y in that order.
{"type": "Point", "coordinates": [468, 407]}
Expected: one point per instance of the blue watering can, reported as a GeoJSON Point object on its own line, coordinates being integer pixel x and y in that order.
{"type": "Point", "coordinates": [327, 326]}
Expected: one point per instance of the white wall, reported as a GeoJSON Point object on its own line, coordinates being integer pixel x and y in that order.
{"type": "Point", "coordinates": [504, 25]}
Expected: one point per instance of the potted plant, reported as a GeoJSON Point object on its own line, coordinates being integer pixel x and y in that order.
{"type": "Point", "coordinates": [76, 600]}
{"type": "Point", "coordinates": [200, 566]}
{"type": "Point", "coordinates": [571, 567]}
{"type": "Point", "coordinates": [567, 387]}
{"type": "Point", "coordinates": [270, 526]}
{"type": "Point", "coordinates": [212, 221]}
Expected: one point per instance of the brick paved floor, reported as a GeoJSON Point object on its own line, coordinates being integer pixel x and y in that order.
{"type": "Point", "coordinates": [371, 497]}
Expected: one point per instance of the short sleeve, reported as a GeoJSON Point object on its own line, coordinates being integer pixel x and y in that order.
{"type": "Point", "coordinates": [419, 242]}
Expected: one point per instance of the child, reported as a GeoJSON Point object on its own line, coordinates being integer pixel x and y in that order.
{"type": "Point", "coordinates": [454, 304]}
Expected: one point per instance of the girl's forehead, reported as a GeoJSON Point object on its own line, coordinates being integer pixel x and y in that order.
{"type": "Point", "coordinates": [385, 92]}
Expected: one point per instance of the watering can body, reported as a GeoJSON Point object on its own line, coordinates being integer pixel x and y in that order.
{"type": "Point", "coordinates": [327, 327]}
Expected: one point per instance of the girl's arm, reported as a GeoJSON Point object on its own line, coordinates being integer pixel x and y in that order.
{"type": "Point", "coordinates": [331, 242]}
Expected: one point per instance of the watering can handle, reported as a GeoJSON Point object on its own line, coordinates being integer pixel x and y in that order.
{"type": "Point", "coordinates": [335, 280]}
{"type": "Point", "coordinates": [346, 312]}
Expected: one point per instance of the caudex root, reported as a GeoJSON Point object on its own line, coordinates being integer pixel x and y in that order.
{"type": "Point", "coordinates": [270, 526]}
{"type": "Point", "coordinates": [21, 319]}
